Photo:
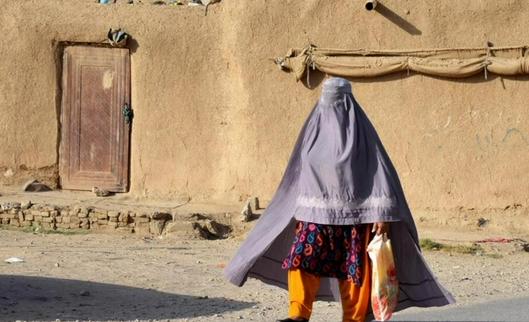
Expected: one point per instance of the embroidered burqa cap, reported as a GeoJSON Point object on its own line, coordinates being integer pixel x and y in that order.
{"type": "Point", "coordinates": [338, 173]}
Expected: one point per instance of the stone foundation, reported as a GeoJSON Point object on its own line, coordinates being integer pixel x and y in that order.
{"type": "Point", "coordinates": [52, 217]}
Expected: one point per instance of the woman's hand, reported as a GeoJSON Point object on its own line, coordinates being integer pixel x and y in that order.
{"type": "Point", "coordinates": [381, 228]}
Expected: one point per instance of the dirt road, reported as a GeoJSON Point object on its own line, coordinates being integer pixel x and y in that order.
{"type": "Point", "coordinates": [126, 277]}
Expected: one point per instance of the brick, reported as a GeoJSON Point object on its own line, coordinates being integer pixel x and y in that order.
{"type": "Point", "coordinates": [124, 218]}
{"type": "Point", "coordinates": [45, 213]}
{"type": "Point", "coordinates": [102, 215]}
{"type": "Point", "coordinates": [82, 215]}
{"type": "Point", "coordinates": [113, 214]}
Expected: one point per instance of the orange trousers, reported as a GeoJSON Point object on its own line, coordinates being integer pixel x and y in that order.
{"type": "Point", "coordinates": [303, 287]}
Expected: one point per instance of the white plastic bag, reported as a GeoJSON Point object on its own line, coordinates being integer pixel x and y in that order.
{"type": "Point", "coordinates": [384, 283]}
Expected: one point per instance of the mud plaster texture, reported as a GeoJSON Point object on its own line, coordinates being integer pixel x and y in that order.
{"type": "Point", "coordinates": [216, 120]}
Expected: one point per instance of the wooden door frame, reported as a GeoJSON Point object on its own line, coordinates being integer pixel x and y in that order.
{"type": "Point", "coordinates": [63, 157]}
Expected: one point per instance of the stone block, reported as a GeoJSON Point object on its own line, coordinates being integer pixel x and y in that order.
{"type": "Point", "coordinates": [5, 221]}
{"type": "Point", "coordinates": [29, 217]}
{"type": "Point", "coordinates": [14, 222]}
{"type": "Point", "coordinates": [73, 225]}
{"type": "Point", "coordinates": [26, 223]}
{"type": "Point", "coordinates": [54, 213]}
{"type": "Point", "coordinates": [48, 220]}
{"type": "Point", "coordinates": [20, 217]}
{"type": "Point", "coordinates": [25, 205]}
{"type": "Point", "coordinates": [101, 215]}
{"type": "Point", "coordinates": [180, 228]}
{"type": "Point", "coordinates": [124, 218]}
{"type": "Point", "coordinates": [113, 214]}
{"type": "Point", "coordinates": [44, 213]}
{"type": "Point", "coordinates": [82, 215]}
{"type": "Point", "coordinates": [63, 225]}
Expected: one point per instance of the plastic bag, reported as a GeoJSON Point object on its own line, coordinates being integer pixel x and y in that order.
{"type": "Point", "coordinates": [384, 283]}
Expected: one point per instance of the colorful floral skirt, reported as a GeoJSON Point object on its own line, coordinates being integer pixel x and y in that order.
{"type": "Point", "coordinates": [328, 250]}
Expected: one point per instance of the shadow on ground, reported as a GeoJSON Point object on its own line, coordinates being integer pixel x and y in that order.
{"type": "Point", "coordinates": [37, 298]}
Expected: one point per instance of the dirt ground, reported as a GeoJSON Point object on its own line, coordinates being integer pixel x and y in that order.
{"type": "Point", "coordinates": [128, 277]}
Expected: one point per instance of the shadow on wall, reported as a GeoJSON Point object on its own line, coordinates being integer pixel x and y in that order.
{"type": "Point", "coordinates": [397, 20]}
{"type": "Point", "coordinates": [38, 298]}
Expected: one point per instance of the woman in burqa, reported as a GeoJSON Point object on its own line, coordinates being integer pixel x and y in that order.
{"type": "Point", "coordinates": [338, 190]}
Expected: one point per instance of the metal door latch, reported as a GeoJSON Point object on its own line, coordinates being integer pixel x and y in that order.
{"type": "Point", "coordinates": [128, 114]}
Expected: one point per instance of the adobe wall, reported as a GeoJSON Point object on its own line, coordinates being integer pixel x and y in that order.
{"type": "Point", "coordinates": [215, 119]}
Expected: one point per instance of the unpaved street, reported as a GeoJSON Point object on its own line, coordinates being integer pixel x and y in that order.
{"type": "Point", "coordinates": [127, 277]}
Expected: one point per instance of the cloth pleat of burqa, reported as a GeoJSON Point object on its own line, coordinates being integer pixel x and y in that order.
{"type": "Point", "coordinates": [338, 173]}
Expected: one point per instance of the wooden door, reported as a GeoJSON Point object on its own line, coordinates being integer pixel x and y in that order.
{"type": "Point", "coordinates": [94, 149]}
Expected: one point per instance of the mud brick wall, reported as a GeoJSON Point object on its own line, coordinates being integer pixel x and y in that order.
{"type": "Point", "coordinates": [52, 217]}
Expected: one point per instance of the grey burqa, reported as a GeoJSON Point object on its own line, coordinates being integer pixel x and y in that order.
{"type": "Point", "coordinates": [338, 173]}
